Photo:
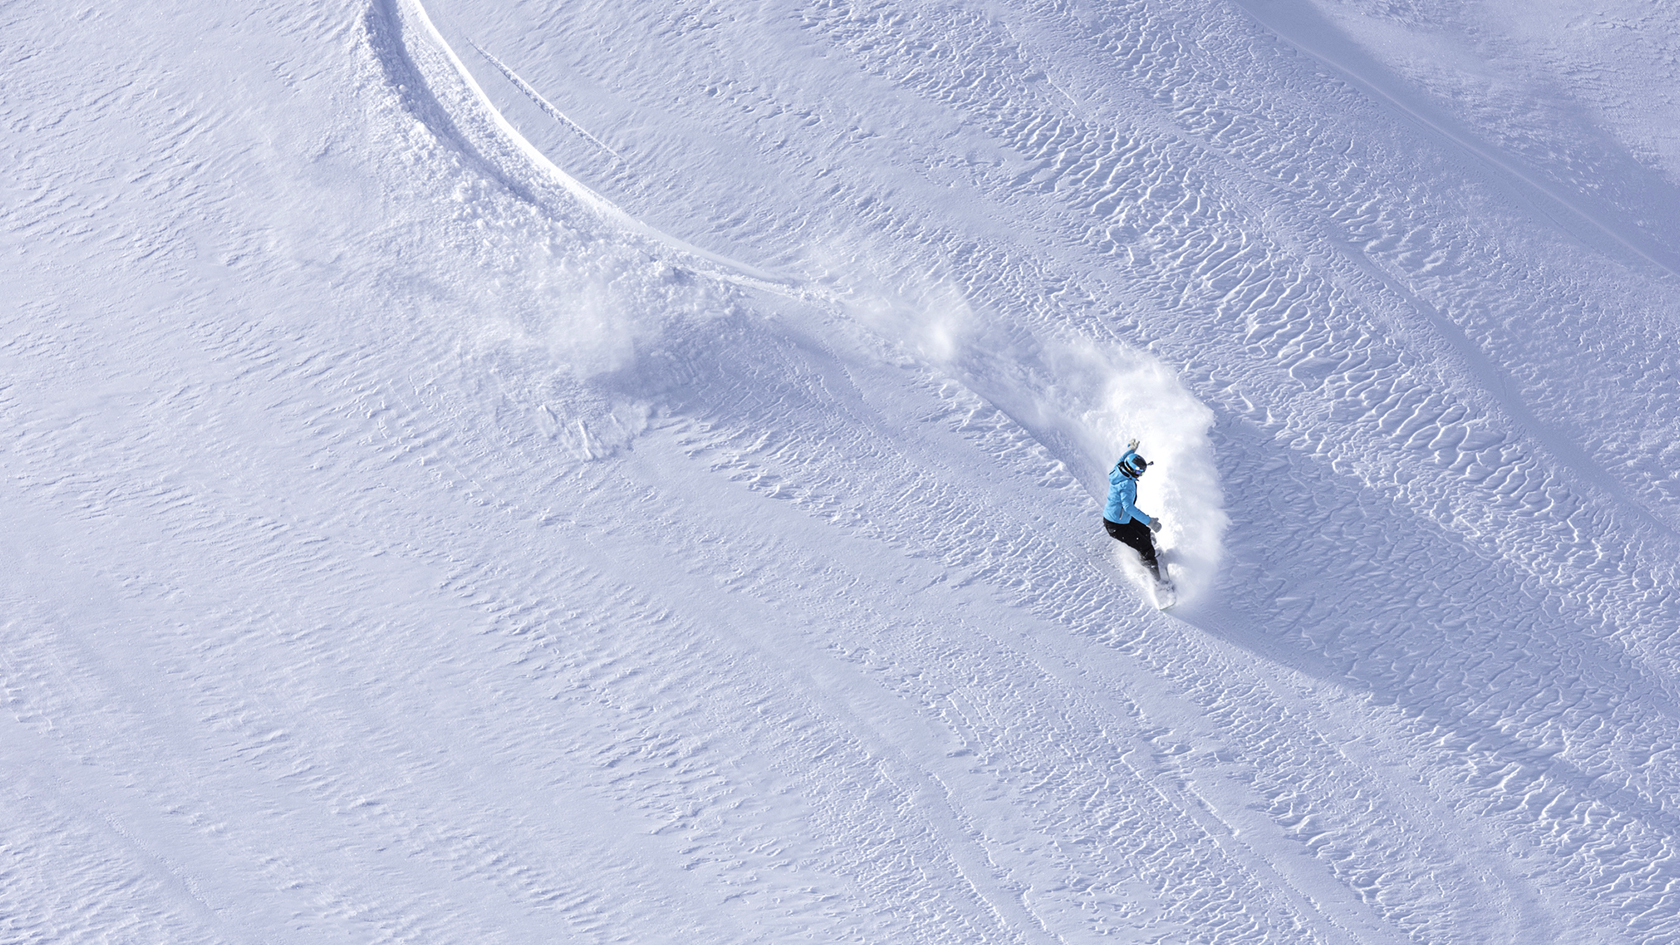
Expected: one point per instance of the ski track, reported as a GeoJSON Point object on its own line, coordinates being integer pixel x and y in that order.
{"type": "Point", "coordinates": [721, 609]}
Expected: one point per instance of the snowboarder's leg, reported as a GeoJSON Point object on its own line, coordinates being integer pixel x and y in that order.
{"type": "Point", "coordinates": [1146, 550]}
{"type": "Point", "coordinates": [1136, 536]}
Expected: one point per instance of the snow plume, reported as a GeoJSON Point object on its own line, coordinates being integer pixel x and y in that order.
{"type": "Point", "coordinates": [1080, 399]}
{"type": "Point", "coordinates": [592, 312]}
{"type": "Point", "coordinates": [928, 319]}
{"type": "Point", "coordinates": [1108, 395]}
{"type": "Point", "coordinates": [582, 334]}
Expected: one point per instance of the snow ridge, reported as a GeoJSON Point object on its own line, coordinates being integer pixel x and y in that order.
{"type": "Point", "coordinates": [399, 13]}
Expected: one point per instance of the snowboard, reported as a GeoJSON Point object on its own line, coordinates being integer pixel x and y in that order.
{"type": "Point", "coordinates": [1166, 595]}
{"type": "Point", "coordinates": [1160, 591]}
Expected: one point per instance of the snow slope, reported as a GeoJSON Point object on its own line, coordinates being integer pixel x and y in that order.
{"type": "Point", "coordinates": [596, 472]}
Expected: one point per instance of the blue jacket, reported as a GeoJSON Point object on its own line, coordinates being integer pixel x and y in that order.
{"type": "Point", "coordinates": [1122, 496]}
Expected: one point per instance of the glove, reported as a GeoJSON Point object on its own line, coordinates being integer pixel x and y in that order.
{"type": "Point", "coordinates": [1132, 445]}
{"type": "Point", "coordinates": [1155, 524]}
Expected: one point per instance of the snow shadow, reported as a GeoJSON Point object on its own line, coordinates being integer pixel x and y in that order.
{"type": "Point", "coordinates": [1535, 691]}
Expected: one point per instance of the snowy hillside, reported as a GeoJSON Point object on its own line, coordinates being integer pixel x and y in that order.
{"type": "Point", "coordinates": [598, 472]}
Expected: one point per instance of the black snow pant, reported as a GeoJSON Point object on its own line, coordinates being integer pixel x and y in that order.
{"type": "Point", "coordinates": [1138, 537]}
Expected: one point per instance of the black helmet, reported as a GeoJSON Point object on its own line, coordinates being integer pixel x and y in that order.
{"type": "Point", "coordinates": [1133, 465]}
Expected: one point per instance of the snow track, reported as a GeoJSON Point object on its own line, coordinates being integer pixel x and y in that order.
{"type": "Point", "coordinates": [426, 524]}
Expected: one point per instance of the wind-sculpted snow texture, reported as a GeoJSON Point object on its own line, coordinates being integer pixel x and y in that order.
{"type": "Point", "coordinates": [538, 471]}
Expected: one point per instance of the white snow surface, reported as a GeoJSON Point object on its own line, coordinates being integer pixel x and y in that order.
{"type": "Point", "coordinates": [539, 471]}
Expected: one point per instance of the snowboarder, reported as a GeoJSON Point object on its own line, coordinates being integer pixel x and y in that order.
{"type": "Point", "coordinates": [1123, 519]}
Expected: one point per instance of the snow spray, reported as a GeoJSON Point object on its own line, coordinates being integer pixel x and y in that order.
{"type": "Point", "coordinates": [1108, 395]}
{"type": "Point", "coordinates": [1081, 399]}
